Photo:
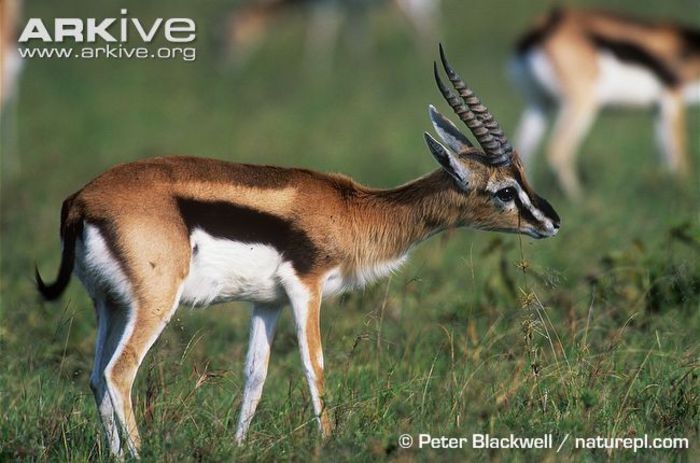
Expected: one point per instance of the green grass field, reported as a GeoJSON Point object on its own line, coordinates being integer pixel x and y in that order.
{"type": "Point", "coordinates": [592, 333]}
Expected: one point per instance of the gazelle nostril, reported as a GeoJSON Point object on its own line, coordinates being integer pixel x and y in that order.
{"type": "Point", "coordinates": [556, 225]}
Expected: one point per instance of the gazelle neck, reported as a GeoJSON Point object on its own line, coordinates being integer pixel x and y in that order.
{"type": "Point", "coordinates": [394, 220]}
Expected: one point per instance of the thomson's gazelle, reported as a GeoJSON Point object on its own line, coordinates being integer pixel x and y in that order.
{"type": "Point", "coordinates": [575, 62]}
{"type": "Point", "coordinates": [147, 236]}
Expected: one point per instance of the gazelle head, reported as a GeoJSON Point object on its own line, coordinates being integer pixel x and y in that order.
{"type": "Point", "coordinates": [493, 187]}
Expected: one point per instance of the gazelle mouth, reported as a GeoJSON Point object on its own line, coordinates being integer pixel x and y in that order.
{"type": "Point", "coordinates": [529, 231]}
{"type": "Point", "coordinates": [538, 235]}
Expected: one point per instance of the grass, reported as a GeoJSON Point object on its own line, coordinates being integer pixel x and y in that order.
{"type": "Point", "coordinates": [592, 333]}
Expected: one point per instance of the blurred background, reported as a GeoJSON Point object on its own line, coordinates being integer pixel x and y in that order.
{"type": "Point", "coordinates": [593, 332]}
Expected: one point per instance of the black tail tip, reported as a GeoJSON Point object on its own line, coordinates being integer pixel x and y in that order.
{"type": "Point", "coordinates": [50, 292]}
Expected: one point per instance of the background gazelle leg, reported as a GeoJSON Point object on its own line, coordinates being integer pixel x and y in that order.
{"type": "Point", "coordinates": [670, 132]}
{"type": "Point", "coordinates": [573, 122]}
{"type": "Point", "coordinates": [531, 128]}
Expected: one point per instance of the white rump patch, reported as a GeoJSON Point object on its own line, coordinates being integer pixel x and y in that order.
{"type": "Point", "coordinates": [97, 268]}
{"type": "Point", "coordinates": [536, 76]}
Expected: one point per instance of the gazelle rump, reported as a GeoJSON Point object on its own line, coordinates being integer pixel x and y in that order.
{"type": "Point", "coordinates": [575, 62]}
{"type": "Point", "coordinates": [147, 236]}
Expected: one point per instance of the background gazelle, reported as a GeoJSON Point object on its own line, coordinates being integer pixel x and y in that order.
{"type": "Point", "coordinates": [149, 235]}
{"type": "Point", "coordinates": [10, 61]}
{"type": "Point", "coordinates": [578, 61]}
{"type": "Point", "coordinates": [250, 22]}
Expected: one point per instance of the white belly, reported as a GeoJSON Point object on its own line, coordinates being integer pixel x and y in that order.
{"type": "Point", "coordinates": [625, 84]}
{"type": "Point", "coordinates": [223, 270]}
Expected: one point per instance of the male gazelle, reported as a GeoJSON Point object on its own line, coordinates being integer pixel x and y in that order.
{"type": "Point", "coordinates": [577, 61]}
{"type": "Point", "coordinates": [10, 61]}
{"type": "Point", "coordinates": [147, 236]}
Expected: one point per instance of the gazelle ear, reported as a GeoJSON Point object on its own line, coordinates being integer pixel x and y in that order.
{"type": "Point", "coordinates": [449, 133]}
{"type": "Point", "coordinates": [448, 161]}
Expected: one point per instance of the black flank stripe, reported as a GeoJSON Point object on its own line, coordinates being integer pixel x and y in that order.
{"type": "Point", "coordinates": [239, 223]}
{"type": "Point", "coordinates": [633, 53]}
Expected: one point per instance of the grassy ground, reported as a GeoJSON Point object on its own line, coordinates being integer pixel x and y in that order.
{"type": "Point", "coordinates": [592, 333]}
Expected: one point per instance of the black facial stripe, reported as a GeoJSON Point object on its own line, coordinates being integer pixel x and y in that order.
{"type": "Point", "coordinates": [633, 53]}
{"type": "Point", "coordinates": [537, 201]}
{"type": "Point", "coordinates": [239, 223]}
{"type": "Point", "coordinates": [525, 211]}
{"type": "Point", "coordinates": [543, 205]}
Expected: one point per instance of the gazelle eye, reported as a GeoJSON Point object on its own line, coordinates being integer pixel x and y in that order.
{"type": "Point", "coordinates": [506, 194]}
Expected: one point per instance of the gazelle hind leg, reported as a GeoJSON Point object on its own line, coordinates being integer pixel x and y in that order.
{"type": "Point", "coordinates": [262, 332]}
{"type": "Point", "coordinates": [146, 319]}
{"type": "Point", "coordinates": [111, 322]}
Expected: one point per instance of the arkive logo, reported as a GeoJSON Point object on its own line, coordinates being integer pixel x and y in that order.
{"type": "Point", "coordinates": [111, 30]}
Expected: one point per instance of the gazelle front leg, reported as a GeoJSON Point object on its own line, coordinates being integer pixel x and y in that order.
{"type": "Point", "coordinates": [262, 331]}
{"type": "Point", "coordinates": [573, 122]}
{"type": "Point", "coordinates": [305, 298]}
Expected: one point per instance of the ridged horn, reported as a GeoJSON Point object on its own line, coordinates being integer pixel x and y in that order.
{"type": "Point", "coordinates": [474, 114]}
